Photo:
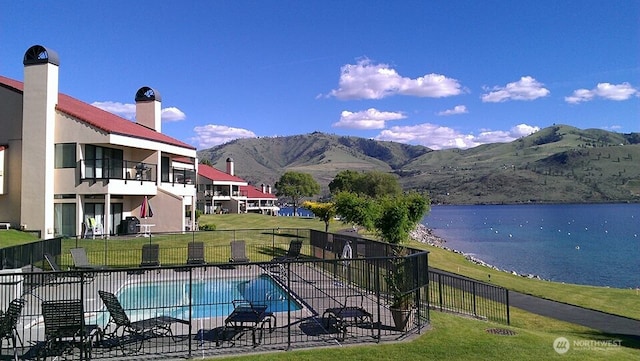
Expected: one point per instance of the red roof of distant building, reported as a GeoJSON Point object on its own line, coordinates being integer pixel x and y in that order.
{"type": "Point", "coordinates": [101, 119]}
{"type": "Point", "coordinates": [253, 192]}
{"type": "Point", "coordinates": [217, 175]}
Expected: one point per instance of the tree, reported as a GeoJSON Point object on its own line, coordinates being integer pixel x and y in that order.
{"type": "Point", "coordinates": [372, 183]}
{"type": "Point", "coordinates": [206, 162]}
{"type": "Point", "coordinates": [344, 181]}
{"type": "Point", "coordinates": [296, 185]}
{"type": "Point", "coordinates": [399, 215]}
{"type": "Point", "coordinates": [325, 211]}
{"type": "Point", "coordinates": [356, 209]}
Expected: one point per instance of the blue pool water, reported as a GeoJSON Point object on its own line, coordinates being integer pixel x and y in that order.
{"type": "Point", "coordinates": [208, 298]}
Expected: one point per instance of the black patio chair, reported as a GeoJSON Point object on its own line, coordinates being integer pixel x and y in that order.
{"type": "Point", "coordinates": [120, 330]}
{"type": "Point", "coordinates": [238, 252]}
{"type": "Point", "coordinates": [9, 322]}
{"type": "Point", "coordinates": [195, 253]}
{"type": "Point", "coordinates": [248, 316]}
{"type": "Point", "coordinates": [350, 313]}
{"type": "Point", "coordinates": [295, 246]}
{"type": "Point", "coordinates": [150, 255]}
{"type": "Point", "coordinates": [67, 277]}
{"type": "Point", "coordinates": [65, 329]}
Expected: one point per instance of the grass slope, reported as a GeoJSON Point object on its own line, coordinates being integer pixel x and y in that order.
{"type": "Point", "coordinates": [556, 164]}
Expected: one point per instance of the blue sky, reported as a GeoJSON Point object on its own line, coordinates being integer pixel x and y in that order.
{"type": "Point", "coordinates": [438, 73]}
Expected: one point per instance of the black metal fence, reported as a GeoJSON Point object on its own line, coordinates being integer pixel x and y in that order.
{"type": "Point", "coordinates": [306, 294]}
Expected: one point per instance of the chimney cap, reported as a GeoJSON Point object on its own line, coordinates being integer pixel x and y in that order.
{"type": "Point", "coordinates": [147, 94]}
{"type": "Point", "coordinates": [38, 54]}
{"type": "Point", "coordinates": [229, 159]}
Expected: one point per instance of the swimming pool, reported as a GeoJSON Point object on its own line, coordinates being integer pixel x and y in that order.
{"type": "Point", "coordinates": [208, 298]}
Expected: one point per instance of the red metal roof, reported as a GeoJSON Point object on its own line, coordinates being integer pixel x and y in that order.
{"type": "Point", "coordinates": [253, 192]}
{"type": "Point", "coordinates": [101, 119]}
{"type": "Point", "coordinates": [217, 175]}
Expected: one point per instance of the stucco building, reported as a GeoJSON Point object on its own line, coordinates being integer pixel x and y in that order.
{"type": "Point", "coordinates": [63, 161]}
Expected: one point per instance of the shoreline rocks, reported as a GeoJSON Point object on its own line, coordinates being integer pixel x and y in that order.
{"type": "Point", "coordinates": [423, 234]}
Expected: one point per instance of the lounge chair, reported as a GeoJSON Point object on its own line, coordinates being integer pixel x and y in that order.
{"type": "Point", "coordinates": [295, 246]}
{"type": "Point", "coordinates": [150, 255]}
{"type": "Point", "coordinates": [195, 253]}
{"type": "Point", "coordinates": [81, 261]}
{"type": "Point", "coordinates": [65, 328]}
{"type": "Point", "coordinates": [347, 315]}
{"type": "Point", "coordinates": [247, 316]}
{"type": "Point", "coordinates": [119, 322]}
{"type": "Point", "coordinates": [9, 322]}
{"type": "Point", "coordinates": [73, 277]}
{"type": "Point", "coordinates": [238, 252]}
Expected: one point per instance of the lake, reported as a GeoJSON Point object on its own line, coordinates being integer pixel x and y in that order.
{"type": "Point", "coordinates": [594, 244]}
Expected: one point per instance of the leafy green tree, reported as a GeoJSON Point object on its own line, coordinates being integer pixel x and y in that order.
{"type": "Point", "coordinates": [296, 185]}
{"type": "Point", "coordinates": [371, 183]}
{"type": "Point", "coordinates": [356, 209]}
{"type": "Point", "coordinates": [344, 181]}
{"type": "Point", "coordinates": [206, 162]}
{"type": "Point", "coordinates": [379, 184]}
{"type": "Point", "coordinates": [399, 215]}
{"type": "Point", "coordinates": [323, 210]}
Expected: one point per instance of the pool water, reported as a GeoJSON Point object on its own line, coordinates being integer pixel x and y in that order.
{"type": "Point", "coordinates": [209, 298]}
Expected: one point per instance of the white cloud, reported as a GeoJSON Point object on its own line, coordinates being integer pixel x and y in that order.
{"type": "Point", "coordinates": [366, 119]}
{"type": "Point", "coordinates": [128, 111]}
{"type": "Point", "coordinates": [172, 114]}
{"type": "Point", "coordinates": [366, 80]}
{"type": "Point", "coordinates": [458, 109]}
{"type": "Point", "coordinates": [439, 137]}
{"type": "Point", "coordinates": [211, 135]}
{"type": "Point", "coordinates": [527, 88]}
{"type": "Point", "coordinates": [608, 91]}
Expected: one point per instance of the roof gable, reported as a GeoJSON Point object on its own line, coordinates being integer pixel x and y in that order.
{"type": "Point", "coordinates": [253, 192]}
{"type": "Point", "coordinates": [101, 119]}
{"type": "Point", "coordinates": [214, 174]}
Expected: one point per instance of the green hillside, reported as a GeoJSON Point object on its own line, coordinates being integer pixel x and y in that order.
{"type": "Point", "coordinates": [556, 164]}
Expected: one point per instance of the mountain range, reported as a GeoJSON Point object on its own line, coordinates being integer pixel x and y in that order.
{"type": "Point", "coordinates": [557, 164]}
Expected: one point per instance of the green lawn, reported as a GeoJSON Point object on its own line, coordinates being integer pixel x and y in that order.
{"type": "Point", "coordinates": [455, 337]}
{"type": "Point", "coordinates": [458, 338]}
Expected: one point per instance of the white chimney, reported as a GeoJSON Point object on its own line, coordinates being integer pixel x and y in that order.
{"type": "Point", "coordinates": [230, 166]}
{"type": "Point", "coordinates": [149, 108]}
{"type": "Point", "coordinates": [262, 186]}
{"type": "Point", "coordinates": [268, 189]}
{"type": "Point", "coordinates": [40, 97]}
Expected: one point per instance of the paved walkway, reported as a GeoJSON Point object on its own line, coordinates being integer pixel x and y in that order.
{"type": "Point", "coordinates": [605, 322]}
{"type": "Point", "coordinates": [597, 320]}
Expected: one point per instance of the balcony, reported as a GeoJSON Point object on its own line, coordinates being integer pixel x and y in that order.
{"type": "Point", "coordinates": [94, 170]}
{"type": "Point", "coordinates": [108, 169]}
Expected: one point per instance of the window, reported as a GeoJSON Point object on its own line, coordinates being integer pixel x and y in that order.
{"type": "Point", "coordinates": [164, 172]}
{"type": "Point", "coordinates": [65, 219]}
{"type": "Point", "coordinates": [103, 162]}
{"type": "Point", "coordinates": [65, 155]}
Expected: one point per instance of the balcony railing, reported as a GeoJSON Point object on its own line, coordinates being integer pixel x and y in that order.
{"type": "Point", "coordinates": [101, 169]}
{"type": "Point", "coordinates": [107, 169]}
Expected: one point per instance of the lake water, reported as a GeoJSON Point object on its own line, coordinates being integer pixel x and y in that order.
{"type": "Point", "coordinates": [584, 244]}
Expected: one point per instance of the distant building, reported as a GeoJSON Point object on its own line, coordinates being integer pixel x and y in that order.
{"type": "Point", "coordinates": [223, 192]}
{"type": "Point", "coordinates": [63, 161]}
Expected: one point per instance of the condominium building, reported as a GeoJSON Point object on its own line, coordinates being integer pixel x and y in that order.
{"type": "Point", "coordinates": [66, 166]}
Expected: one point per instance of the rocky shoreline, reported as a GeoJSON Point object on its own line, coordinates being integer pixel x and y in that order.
{"type": "Point", "coordinates": [423, 234]}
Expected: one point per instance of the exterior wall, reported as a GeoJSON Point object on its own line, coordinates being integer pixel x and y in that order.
{"type": "Point", "coordinates": [11, 135]}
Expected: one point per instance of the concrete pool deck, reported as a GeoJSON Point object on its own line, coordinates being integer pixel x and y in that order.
{"type": "Point", "coordinates": [314, 288]}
